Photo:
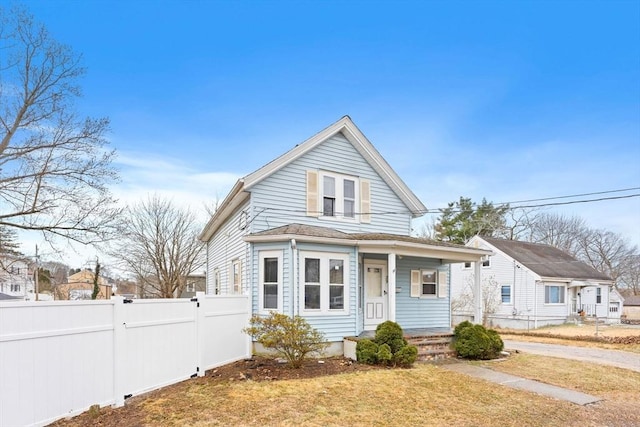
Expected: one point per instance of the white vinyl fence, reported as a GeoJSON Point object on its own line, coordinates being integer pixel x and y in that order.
{"type": "Point", "coordinates": [58, 358]}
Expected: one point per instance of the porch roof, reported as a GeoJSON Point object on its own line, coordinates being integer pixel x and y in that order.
{"type": "Point", "coordinates": [379, 243]}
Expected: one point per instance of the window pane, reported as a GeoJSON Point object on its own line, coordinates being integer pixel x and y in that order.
{"type": "Point", "coordinates": [270, 270]}
{"type": "Point", "coordinates": [336, 274]}
{"type": "Point", "coordinates": [312, 270]}
{"type": "Point", "coordinates": [329, 186]}
{"type": "Point", "coordinates": [428, 277]}
{"type": "Point", "coordinates": [506, 294]}
{"type": "Point", "coordinates": [349, 189]}
{"type": "Point", "coordinates": [429, 289]}
{"type": "Point", "coordinates": [336, 297]}
{"type": "Point", "coordinates": [271, 296]}
{"type": "Point", "coordinates": [312, 297]}
{"type": "Point", "coordinates": [329, 206]}
{"type": "Point", "coordinates": [349, 210]}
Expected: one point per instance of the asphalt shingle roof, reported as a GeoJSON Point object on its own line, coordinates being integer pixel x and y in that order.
{"type": "Point", "coordinates": [546, 260]}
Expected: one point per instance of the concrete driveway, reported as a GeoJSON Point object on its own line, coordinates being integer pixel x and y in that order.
{"type": "Point", "coordinates": [619, 359]}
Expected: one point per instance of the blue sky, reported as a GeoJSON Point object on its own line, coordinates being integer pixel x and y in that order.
{"type": "Point", "coordinates": [503, 100]}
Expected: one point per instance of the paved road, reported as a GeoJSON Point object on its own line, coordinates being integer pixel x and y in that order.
{"type": "Point", "coordinates": [619, 359]}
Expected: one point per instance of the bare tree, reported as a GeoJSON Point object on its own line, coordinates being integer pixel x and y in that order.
{"type": "Point", "coordinates": [465, 302]}
{"type": "Point", "coordinates": [606, 251]}
{"type": "Point", "coordinates": [557, 230]}
{"type": "Point", "coordinates": [160, 246]}
{"type": "Point", "coordinates": [630, 278]}
{"type": "Point", "coordinates": [54, 166]}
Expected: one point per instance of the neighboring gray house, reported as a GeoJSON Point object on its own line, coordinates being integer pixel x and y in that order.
{"type": "Point", "coordinates": [528, 285]}
{"type": "Point", "coordinates": [323, 232]}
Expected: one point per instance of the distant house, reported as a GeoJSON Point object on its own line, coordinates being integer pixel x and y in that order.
{"type": "Point", "coordinates": [16, 278]}
{"type": "Point", "coordinates": [194, 283]}
{"type": "Point", "coordinates": [323, 231]}
{"type": "Point", "coordinates": [531, 285]}
{"type": "Point", "coordinates": [631, 309]}
{"type": "Point", "coordinates": [80, 286]}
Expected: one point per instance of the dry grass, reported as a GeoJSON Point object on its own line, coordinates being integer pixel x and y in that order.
{"type": "Point", "coordinates": [425, 395]}
{"type": "Point", "coordinates": [577, 335]}
{"type": "Point", "coordinates": [619, 388]}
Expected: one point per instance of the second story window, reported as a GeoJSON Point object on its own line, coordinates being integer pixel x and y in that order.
{"type": "Point", "coordinates": [339, 196]}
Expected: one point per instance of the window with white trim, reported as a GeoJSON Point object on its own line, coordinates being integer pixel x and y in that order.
{"type": "Point", "coordinates": [466, 265]}
{"type": "Point", "coordinates": [598, 295]}
{"type": "Point", "coordinates": [554, 294]}
{"type": "Point", "coordinates": [505, 294]}
{"type": "Point", "coordinates": [236, 276]}
{"type": "Point", "coordinates": [270, 277]}
{"type": "Point", "coordinates": [339, 195]}
{"type": "Point", "coordinates": [325, 281]}
{"type": "Point", "coordinates": [486, 262]}
{"type": "Point", "coordinates": [429, 283]}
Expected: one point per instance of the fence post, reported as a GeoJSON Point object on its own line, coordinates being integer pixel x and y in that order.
{"type": "Point", "coordinates": [119, 350]}
{"type": "Point", "coordinates": [200, 309]}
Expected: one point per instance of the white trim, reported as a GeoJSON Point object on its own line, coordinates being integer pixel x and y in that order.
{"type": "Point", "coordinates": [324, 284]}
{"type": "Point", "coordinates": [261, 257]}
{"type": "Point", "coordinates": [338, 208]}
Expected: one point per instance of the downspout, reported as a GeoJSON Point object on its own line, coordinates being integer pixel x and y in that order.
{"type": "Point", "coordinates": [294, 273]}
{"type": "Point", "coordinates": [535, 304]}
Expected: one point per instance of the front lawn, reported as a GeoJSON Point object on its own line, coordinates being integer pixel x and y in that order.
{"type": "Point", "coordinates": [424, 395]}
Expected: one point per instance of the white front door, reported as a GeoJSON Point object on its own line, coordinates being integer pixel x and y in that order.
{"type": "Point", "coordinates": [375, 294]}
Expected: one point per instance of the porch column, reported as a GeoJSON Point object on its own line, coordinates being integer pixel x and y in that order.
{"type": "Point", "coordinates": [477, 292]}
{"type": "Point", "coordinates": [391, 287]}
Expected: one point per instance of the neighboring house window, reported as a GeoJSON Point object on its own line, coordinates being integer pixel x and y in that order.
{"type": "Point", "coordinates": [15, 288]}
{"type": "Point", "coordinates": [270, 274]}
{"type": "Point", "coordinates": [191, 287]}
{"type": "Point", "coordinates": [486, 262]}
{"type": "Point", "coordinates": [467, 265]}
{"type": "Point", "coordinates": [553, 294]}
{"type": "Point", "coordinates": [216, 281]}
{"type": "Point", "coordinates": [598, 295]}
{"type": "Point", "coordinates": [339, 196]}
{"type": "Point", "coordinates": [236, 276]}
{"type": "Point", "coordinates": [505, 294]}
{"type": "Point", "coordinates": [325, 277]}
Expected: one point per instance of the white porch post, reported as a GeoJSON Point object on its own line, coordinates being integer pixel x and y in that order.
{"type": "Point", "coordinates": [391, 287]}
{"type": "Point", "coordinates": [477, 292]}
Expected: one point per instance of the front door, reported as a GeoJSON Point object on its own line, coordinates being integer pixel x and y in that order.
{"type": "Point", "coordinates": [375, 294]}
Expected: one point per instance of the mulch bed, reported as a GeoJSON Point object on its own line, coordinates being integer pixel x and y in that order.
{"type": "Point", "coordinates": [257, 368]}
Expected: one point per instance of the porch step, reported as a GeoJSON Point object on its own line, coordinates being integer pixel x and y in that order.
{"type": "Point", "coordinates": [433, 347]}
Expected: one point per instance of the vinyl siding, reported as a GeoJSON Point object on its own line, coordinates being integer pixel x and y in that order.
{"type": "Point", "coordinates": [225, 246]}
{"type": "Point", "coordinates": [419, 312]}
{"type": "Point", "coordinates": [280, 199]}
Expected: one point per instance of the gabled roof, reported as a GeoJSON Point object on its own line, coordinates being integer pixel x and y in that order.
{"type": "Point", "coordinates": [346, 127]}
{"type": "Point", "coordinates": [546, 261]}
{"type": "Point", "coordinates": [371, 242]}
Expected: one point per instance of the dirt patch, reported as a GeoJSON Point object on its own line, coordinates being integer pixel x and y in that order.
{"type": "Point", "coordinates": [257, 369]}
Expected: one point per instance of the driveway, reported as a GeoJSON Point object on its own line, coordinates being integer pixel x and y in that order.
{"type": "Point", "coordinates": [619, 359]}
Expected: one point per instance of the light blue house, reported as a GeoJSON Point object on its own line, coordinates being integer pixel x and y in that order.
{"type": "Point", "coordinates": [323, 232]}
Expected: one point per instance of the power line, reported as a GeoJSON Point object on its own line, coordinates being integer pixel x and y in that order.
{"type": "Point", "coordinates": [572, 195]}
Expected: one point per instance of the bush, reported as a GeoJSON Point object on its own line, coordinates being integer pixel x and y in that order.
{"type": "Point", "coordinates": [476, 342]}
{"type": "Point", "coordinates": [406, 356]}
{"type": "Point", "coordinates": [387, 347]}
{"type": "Point", "coordinates": [291, 337]}
{"type": "Point", "coordinates": [367, 352]}
{"type": "Point", "coordinates": [384, 354]}
{"type": "Point", "coordinates": [390, 333]}
{"type": "Point", "coordinates": [460, 326]}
